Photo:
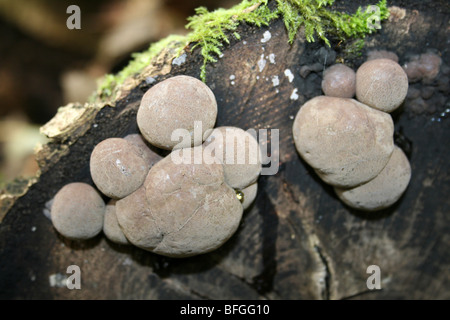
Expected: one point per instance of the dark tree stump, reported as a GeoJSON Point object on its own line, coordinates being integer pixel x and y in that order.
{"type": "Point", "coordinates": [298, 241]}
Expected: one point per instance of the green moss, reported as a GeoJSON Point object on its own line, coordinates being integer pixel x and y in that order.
{"type": "Point", "coordinates": [210, 31]}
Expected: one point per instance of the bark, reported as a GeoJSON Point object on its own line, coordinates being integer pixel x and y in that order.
{"type": "Point", "coordinates": [297, 241]}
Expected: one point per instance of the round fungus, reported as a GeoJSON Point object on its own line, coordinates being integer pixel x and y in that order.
{"type": "Point", "coordinates": [423, 67]}
{"type": "Point", "coordinates": [148, 153]}
{"type": "Point", "coordinates": [249, 195]}
{"type": "Point", "coordinates": [381, 84]}
{"type": "Point", "coordinates": [111, 227]}
{"type": "Point", "coordinates": [239, 152]}
{"type": "Point", "coordinates": [339, 81]}
{"type": "Point", "coordinates": [382, 191]}
{"type": "Point", "coordinates": [183, 209]}
{"type": "Point", "coordinates": [181, 102]}
{"type": "Point", "coordinates": [382, 54]}
{"type": "Point", "coordinates": [345, 141]}
{"type": "Point", "coordinates": [118, 167]}
{"type": "Point", "coordinates": [77, 211]}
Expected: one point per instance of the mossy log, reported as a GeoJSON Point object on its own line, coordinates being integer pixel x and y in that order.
{"type": "Point", "coordinates": [297, 241]}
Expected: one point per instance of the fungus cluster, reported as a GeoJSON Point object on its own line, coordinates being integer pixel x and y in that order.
{"type": "Point", "coordinates": [346, 135]}
{"type": "Point", "coordinates": [189, 202]}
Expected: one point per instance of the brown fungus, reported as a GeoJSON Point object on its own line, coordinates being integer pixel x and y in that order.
{"type": "Point", "coordinates": [239, 152]}
{"type": "Point", "coordinates": [149, 155]}
{"type": "Point", "coordinates": [183, 208]}
{"type": "Point", "coordinates": [180, 102]}
{"type": "Point", "coordinates": [382, 191]}
{"type": "Point", "coordinates": [118, 167]}
{"type": "Point", "coordinates": [249, 194]}
{"type": "Point", "coordinates": [111, 227]}
{"type": "Point", "coordinates": [339, 81]}
{"type": "Point", "coordinates": [77, 211]}
{"type": "Point", "coordinates": [345, 141]}
{"type": "Point", "coordinates": [381, 84]}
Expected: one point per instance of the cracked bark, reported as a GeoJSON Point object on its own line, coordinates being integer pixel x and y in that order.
{"type": "Point", "coordinates": [297, 241]}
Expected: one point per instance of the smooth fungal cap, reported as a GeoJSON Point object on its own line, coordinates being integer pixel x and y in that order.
{"type": "Point", "coordinates": [339, 81]}
{"type": "Point", "coordinates": [192, 209]}
{"type": "Point", "coordinates": [382, 191]}
{"type": "Point", "coordinates": [77, 211]}
{"type": "Point", "coordinates": [345, 141]}
{"type": "Point", "coordinates": [239, 152]}
{"type": "Point", "coordinates": [111, 227]}
{"type": "Point", "coordinates": [149, 154]}
{"type": "Point", "coordinates": [180, 102]}
{"type": "Point", "coordinates": [249, 194]}
{"type": "Point", "coordinates": [381, 84]}
{"type": "Point", "coordinates": [118, 168]}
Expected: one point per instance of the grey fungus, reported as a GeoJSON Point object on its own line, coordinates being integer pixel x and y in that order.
{"type": "Point", "coordinates": [382, 191]}
{"type": "Point", "coordinates": [111, 227]}
{"type": "Point", "coordinates": [423, 67]}
{"type": "Point", "coordinates": [117, 167]}
{"type": "Point", "coordinates": [149, 155]}
{"type": "Point", "coordinates": [339, 81]}
{"type": "Point", "coordinates": [382, 54]}
{"type": "Point", "coordinates": [249, 194]}
{"type": "Point", "coordinates": [178, 102]}
{"type": "Point", "coordinates": [77, 211]}
{"type": "Point", "coordinates": [239, 152]}
{"type": "Point", "coordinates": [182, 210]}
{"type": "Point", "coordinates": [171, 208]}
{"type": "Point", "coordinates": [345, 141]}
{"type": "Point", "coordinates": [381, 84]}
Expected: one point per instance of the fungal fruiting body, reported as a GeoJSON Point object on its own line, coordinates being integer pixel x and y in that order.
{"type": "Point", "coordinates": [381, 84]}
{"type": "Point", "coordinates": [345, 141]}
{"type": "Point", "coordinates": [339, 81]}
{"type": "Point", "coordinates": [77, 211]}
{"type": "Point", "coordinates": [176, 208]}
{"type": "Point", "coordinates": [182, 210]}
{"type": "Point", "coordinates": [173, 104]}
{"type": "Point", "coordinates": [349, 142]}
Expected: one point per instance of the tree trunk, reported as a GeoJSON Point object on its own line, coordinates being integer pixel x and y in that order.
{"type": "Point", "coordinates": [297, 241]}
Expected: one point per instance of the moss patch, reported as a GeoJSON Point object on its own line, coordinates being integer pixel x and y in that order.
{"type": "Point", "coordinates": [210, 31]}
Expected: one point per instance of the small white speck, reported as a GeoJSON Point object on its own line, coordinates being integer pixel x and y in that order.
{"type": "Point", "coordinates": [289, 74]}
{"type": "Point", "coordinates": [266, 36]}
{"type": "Point", "coordinates": [291, 117]}
{"type": "Point", "coordinates": [261, 63]}
{"type": "Point", "coordinates": [232, 77]}
{"type": "Point", "coordinates": [232, 83]}
{"type": "Point", "coordinates": [294, 95]}
{"type": "Point", "coordinates": [179, 60]}
{"type": "Point", "coordinates": [33, 229]}
{"type": "Point", "coordinates": [272, 58]}
{"type": "Point", "coordinates": [275, 81]}
{"type": "Point", "coordinates": [277, 91]}
{"type": "Point", "coordinates": [221, 55]}
{"type": "Point", "coordinates": [150, 80]}
{"type": "Point", "coordinates": [257, 77]}
{"type": "Point", "coordinates": [57, 280]}
{"type": "Point", "coordinates": [127, 262]}
{"type": "Point", "coordinates": [244, 42]}
{"type": "Point", "coordinates": [95, 125]}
